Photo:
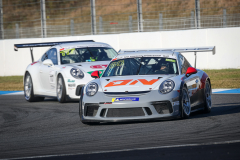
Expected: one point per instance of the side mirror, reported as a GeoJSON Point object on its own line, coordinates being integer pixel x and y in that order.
{"type": "Point", "coordinates": [48, 62]}
{"type": "Point", "coordinates": [95, 74]}
{"type": "Point", "coordinates": [190, 71]}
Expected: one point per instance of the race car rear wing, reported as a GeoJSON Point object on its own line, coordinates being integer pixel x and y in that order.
{"type": "Point", "coordinates": [45, 44]}
{"type": "Point", "coordinates": [182, 50]}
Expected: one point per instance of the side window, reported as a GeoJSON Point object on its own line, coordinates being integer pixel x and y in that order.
{"type": "Point", "coordinates": [184, 64]}
{"type": "Point", "coordinates": [52, 54]}
{"type": "Point", "coordinates": [44, 57]}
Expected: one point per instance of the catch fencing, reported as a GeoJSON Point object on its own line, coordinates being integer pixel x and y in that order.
{"type": "Point", "coordinates": [59, 18]}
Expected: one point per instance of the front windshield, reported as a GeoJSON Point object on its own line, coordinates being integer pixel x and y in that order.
{"type": "Point", "coordinates": [89, 54]}
{"type": "Point", "coordinates": [141, 66]}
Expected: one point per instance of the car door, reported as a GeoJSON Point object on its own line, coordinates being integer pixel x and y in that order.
{"type": "Point", "coordinates": [192, 82]}
{"type": "Point", "coordinates": [48, 73]}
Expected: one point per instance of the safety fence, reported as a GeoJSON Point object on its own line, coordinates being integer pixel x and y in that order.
{"type": "Point", "coordinates": [58, 18]}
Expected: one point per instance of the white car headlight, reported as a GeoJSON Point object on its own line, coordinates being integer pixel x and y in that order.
{"type": "Point", "coordinates": [77, 73]}
{"type": "Point", "coordinates": [166, 86]}
{"type": "Point", "coordinates": [92, 89]}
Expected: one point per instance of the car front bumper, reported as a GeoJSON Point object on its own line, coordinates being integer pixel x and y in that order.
{"type": "Point", "coordinates": [153, 105]}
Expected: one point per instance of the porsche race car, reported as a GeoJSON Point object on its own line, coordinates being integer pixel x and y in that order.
{"type": "Point", "coordinates": [146, 85]}
{"type": "Point", "coordinates": [64, 69]}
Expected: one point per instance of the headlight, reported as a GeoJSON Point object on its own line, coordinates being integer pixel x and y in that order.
{"type": "Point", "coordinates": [91, 89]}
{"type": "Point", "coordinates": [166, 86]}
{"type": "Point", "coordinates": [77, 73]}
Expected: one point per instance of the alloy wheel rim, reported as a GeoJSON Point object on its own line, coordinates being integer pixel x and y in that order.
{"type": "Point", "coordinates": [28, 87]}
{"type": "Point", "coordinates": [208, 96]}
{"type": "Point", "coordinates": [59, 88]}
{"type": "Point", "coordinates": [186, 103]}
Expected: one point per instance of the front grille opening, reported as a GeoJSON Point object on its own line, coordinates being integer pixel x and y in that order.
{"type": "Point", "coordinates": [125, 112]}
{"type": "Point", "coordinates": [103, 111]}
{"type": "Point", "coordinates": [147, 109]}
{"type": "Point", "coordinates": [164, 107]}
{"type": "Point", "coordinates": [91, 109]}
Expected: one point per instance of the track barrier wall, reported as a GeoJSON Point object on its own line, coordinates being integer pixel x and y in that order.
{"type": "Point", "coordinates": [226, 41]}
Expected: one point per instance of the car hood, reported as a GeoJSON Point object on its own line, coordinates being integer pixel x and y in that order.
{"type": "Point", "coordinates": [132, 83]}
{"type": "Point", "coordinates": [89, 67]}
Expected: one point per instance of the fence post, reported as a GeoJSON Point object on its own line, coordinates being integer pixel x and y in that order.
{"type": "Point", "coordinates": [93, 16]}
{"type": "Point", "coordinates": [100, 25]}
{"type": "Point", "coordinates": [72, 27]}
{"type": "Point", "coordinates": [197, 14]}
{"type": "Point", "coordinates": [224, 17]}
{"type": "Point", "coordinates": [43, 19]}
{"type": "Point", "coordinates": [130, 23]}
{"type": "Point", "coordinates": [17, 30]}
{"type": "Point", "coordinates": [160, 21]}
{"type": "Point", "coordinates": [1, 21]}
{"type": "Point", "coordinates": [139, 13]}
{"type": "Point", "coordinates": [192, 20]}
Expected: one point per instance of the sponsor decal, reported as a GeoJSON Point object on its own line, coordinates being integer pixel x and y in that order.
{"type": "Point", "coordinates": [100, 72]}
{"type": "Point", "coordinates": [66, 51]}
{"type": "Point", "coordinates": [170, 60]}
{"type": "Point", "coordinates": [127, 81]}
{"type": "Point", "coordinates": [72, 85]}
{"type": "Point", "coordinates": [99, 66]}
{"type": "Point", "coordinates": [114, 64]}
{"type": "Point", "coordinates": [61, 49]}
{"type": "Point", "coordinates": [69, 80]}
{"type": "Point", "coordinates": [125, 99]}
{"type": "Point", "coordinates": [51, 76]}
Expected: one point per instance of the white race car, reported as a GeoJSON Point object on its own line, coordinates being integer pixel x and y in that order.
{"type": "Point", "coordinates": [64, 69]}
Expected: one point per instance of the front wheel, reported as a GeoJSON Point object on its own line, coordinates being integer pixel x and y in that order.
{"type": "Point", "coordinates": [207, 98]}
{"type": "Point", "coordinates": [61, 89]}
{"type": "Point", "coordinates": [185, 104]}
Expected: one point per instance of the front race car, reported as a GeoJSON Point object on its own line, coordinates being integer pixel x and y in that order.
{"type": "Point", "coordinates": [131, 89]}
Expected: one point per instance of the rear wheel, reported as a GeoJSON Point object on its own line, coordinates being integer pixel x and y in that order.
{"type": "Point", "coordinates": [185, 103]}
{"type": "Point", "coordinates": [28, 89]}
{"type": "Point", "coordinates": [61, 89]}
{"type": "Point", "coordinates": [207, 98]}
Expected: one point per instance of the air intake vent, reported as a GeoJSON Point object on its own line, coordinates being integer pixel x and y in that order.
{"type": "Point", "coordinates": [125, 112]}
{"type": "Point", "coordinates": [147, 109]}
{"type": "Point", "coordinates": [163, 107]}
{"type": "Point", "coordinates": [91, 109]}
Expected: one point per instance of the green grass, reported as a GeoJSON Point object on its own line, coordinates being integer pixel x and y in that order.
{"type": "Point", "coordinates": [11, 83]}
{"type": "Point", "coordinates": [224, 78]}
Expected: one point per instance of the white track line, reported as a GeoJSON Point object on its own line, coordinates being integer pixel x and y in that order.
{"type": "Point", "coordinates": [134, 149]}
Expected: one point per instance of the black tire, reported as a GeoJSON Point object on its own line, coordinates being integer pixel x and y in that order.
{"type": "Point", "coordinates": [185, 104]}
{"type": "Point", "coordinates": [61, 89]}
{"type": "Point", "coordinates": [207, 98]}
{"type": "Point", "coordinates": [28, 89]}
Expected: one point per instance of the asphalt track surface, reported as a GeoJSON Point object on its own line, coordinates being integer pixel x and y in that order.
{"type": "Point", "coordinates": [50, 130]}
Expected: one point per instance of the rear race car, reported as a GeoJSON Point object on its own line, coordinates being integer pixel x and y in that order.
{"type": "Point", "coordinates": [146, 85]}
{"type": "Point", "coordinates": [64, 69]}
